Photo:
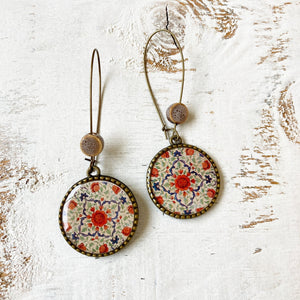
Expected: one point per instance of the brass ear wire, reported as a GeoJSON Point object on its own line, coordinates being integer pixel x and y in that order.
{"type": "Point", "coordinates": [174, 138]}
{"type": "Point", "coordinates": [91, 93]}
{"type": "Point", "coordinates": [92, 143]}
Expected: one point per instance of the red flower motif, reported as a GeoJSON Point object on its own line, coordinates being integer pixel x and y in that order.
{"type": "Point", "coordinates": [130, 209]}
{"type": "Point", "coordinates": [160, 200]}
{"type": "Point", "coordinates": [126, 231]}
{"type": "Point", "coordinates": [116, 189]}
{"type": "Point", "coordinates": [69, 227]}
{"type": "Point", "coordinates": [154, 172]}
{"type": "Point", "coordinates": [99, 218]}
{"type": "Point", "coordinates": [165, 155]}
{"type": "Point", "coordinates": [103, 248]}
{"type": "Point", "coordinates": [182, 182]}
{"type": "Point", "coordinates": [72, 204]}
{"type": "Point", "coordinates": [211, 193]}
{"type": "Point", "coordinates": [95, 187]}
{"type": "Point", "coordinates": [189, 151]}
{"type": "Point", "coordinates": [90, 225]}
{"type": "Point", "coordinates": [199, 209]}
{"type": "Point", "coordinates": [206, 165]}
{"type": "Point", "coordinates": [81, 247]}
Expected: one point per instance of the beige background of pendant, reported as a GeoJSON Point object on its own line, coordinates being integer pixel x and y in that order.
{"type": "Point", "coordinates": [241, 89]}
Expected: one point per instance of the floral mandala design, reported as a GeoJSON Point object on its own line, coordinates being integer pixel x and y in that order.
{"type": "Point", "coordinates": [98, 217]}
{"type": "Point", "coordinates": [183, 181]}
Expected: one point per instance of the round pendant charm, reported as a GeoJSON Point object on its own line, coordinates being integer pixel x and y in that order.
{"type": "Point", "coordinates": [183, 181]}
{"type": "Point", "coordinates": [98, 216]}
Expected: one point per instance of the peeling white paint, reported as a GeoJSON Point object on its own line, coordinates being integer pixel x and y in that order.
{"type": "Point", "coordinates": [44, 83]}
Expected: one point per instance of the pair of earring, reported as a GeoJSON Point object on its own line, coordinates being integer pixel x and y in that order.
{"type": "Point", "coordinates": [99, 214]}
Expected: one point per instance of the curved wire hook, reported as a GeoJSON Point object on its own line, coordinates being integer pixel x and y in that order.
{"type": "Point", "coordinates": [92, 160]}
{"type": "Point", "coordinates": [91, 92]}
{"type": "Point", "coordinates": [164, 128]}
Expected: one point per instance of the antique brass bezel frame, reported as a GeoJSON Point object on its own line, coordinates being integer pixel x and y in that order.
{"type": "Point", "coordinates": [163, 209]}
{"type": "Point", "coordinates": [131, 197]}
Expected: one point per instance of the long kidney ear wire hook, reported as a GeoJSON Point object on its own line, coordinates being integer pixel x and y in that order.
{"type": "Point", "coordinates": [174, 138]}
{"type": "Point", "coordinates": [91, 92]}
{"type": "Point", "coordinates": [93, 159]}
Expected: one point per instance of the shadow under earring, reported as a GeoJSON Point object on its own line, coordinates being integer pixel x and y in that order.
{"type": "Point", "coordinates": [182, 180]}
{"type": "Point", "coordinates": [99, 214]}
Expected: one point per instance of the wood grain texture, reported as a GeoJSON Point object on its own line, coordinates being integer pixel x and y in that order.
{"type": "Point", "coordinates": [241, 89]}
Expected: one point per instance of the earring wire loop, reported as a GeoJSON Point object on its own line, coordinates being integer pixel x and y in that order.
{"type": "Point", "coordinates": [164, 125]}
{"type": "Point", "coordinates": [91, 93]}
{"type": "Point", "coordinates": [92, 160]}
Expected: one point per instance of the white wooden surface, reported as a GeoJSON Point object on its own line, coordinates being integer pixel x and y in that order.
{"type": "Point", "coordinates": [242, 87]}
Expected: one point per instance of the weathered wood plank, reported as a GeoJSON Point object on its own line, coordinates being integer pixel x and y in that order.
{"type": "Point", "coordinates": [242, 62]}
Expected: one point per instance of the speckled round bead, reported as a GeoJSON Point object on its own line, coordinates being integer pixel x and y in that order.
{"type": "Point", "coordinates": [91, 144]}
{"type": "Point", "coordinates": [177, 113]}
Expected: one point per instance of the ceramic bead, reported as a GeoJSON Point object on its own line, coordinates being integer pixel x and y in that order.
{"type": "Point", "coordinates": [177, 113]}
{"type": "Point", "coordinates": [92, 144]}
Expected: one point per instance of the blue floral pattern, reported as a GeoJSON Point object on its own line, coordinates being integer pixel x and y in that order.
{"type": "Point", "coordinates": [183, 181]}
{"type": "Point", "coordinates": [98, 216]}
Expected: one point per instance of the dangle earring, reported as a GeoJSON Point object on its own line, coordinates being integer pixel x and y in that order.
{"type": "Point", "coordinates": [99, 214]}
{"type": "Point", "coordinates": [182, 180]}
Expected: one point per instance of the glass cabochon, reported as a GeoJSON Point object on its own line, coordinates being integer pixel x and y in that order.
{"type": "Point", "coordinates": [98, 216]}
{"type": "Point", "coordinates": [183, 181]}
